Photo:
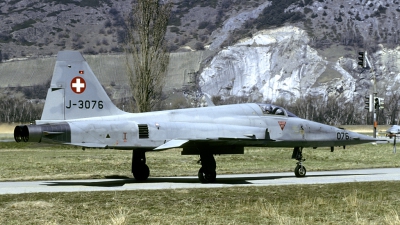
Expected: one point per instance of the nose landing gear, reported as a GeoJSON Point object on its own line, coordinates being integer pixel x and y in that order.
{"type": "Point", "coordinates": [300, 170]}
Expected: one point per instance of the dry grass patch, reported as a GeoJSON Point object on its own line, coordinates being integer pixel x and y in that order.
{"type": "Point", "coordinates": [31, 204]}
{"type": "Point", "coordinates": [6, 128]}
{"type": "Point", "coordinates": [352, 203]}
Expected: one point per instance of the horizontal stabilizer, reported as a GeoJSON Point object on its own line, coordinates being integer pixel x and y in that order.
{"type": "Point", "coordinates": [171, 144]}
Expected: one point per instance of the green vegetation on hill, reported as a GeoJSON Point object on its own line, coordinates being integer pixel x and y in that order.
{"type": "Point", "coordinates": [277, 15]}
{"type": "Point", "coordinates": [23, 25]}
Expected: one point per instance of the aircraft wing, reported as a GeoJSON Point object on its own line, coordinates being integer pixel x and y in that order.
{"type": "Point", "coordinates": [218, 141]}
{"type": "Point", "coordinates": [171, 144]}
{"type": "Point", "coordinates": [89, 145]}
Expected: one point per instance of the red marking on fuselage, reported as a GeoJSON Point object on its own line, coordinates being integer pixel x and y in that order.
{"type": "Point", "coordinates": [125, 137]}
{"type": "Point", "coordinates": [282, 124]}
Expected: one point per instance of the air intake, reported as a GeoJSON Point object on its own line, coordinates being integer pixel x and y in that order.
{"type": "Point", "coordinates": [143, 131]}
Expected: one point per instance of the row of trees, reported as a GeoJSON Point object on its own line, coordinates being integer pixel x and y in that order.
{"type": "Point", "coordinates": [15, 108]}
{"type": "Point", "coordinates": [25, 104]}
{"type": "Point", "coordinates": [336, 111]}
{"type": "Point", "coordinates": [22, 104]}
{"type": "Point", "coordinates": [333, 110]}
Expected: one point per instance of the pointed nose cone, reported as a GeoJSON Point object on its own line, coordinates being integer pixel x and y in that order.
{"type": "Point", "coordinates": [361, 138]}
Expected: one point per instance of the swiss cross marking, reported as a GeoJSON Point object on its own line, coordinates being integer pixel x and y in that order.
{"type": "Point", "coordinates": [78, 85]}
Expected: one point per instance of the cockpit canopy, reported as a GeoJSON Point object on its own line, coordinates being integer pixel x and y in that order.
{"type": "Point", "coordinates": [269, 109]}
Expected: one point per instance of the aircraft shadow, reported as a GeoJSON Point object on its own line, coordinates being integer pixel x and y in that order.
{"type": "Point", "coordinates": [119, 181]}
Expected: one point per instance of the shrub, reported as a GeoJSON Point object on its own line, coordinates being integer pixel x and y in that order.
{"type": "Point", "coordinates": [174, 29]}
{"type": "Point", "coordinates": [275, 15]}
{"type": "Point", "coordinates": [199, 46]}
{"type": "Point", "coordinates": [23, 25]}
{"type": "Point", "coordinates": [203, 25]}
{"type": "Point", "coordinates": [307, 10]}
{"type": "Point", "coordinates": [5, 38]}
{"type": "Point", "coordinates": [90, 51]}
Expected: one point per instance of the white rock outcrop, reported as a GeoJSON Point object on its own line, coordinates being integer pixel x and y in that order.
{"type": "Point", "coordinates": [276, 63]}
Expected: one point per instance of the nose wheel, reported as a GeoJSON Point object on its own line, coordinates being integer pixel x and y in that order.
{"type": "Point", "coordinates": [300, 170]}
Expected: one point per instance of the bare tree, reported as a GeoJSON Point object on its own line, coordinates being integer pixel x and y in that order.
{"type": "Point", "coordinates": [392, 108]}
{"type": "Point", "coordinates": [333, 110]}
{"type": "Point", "coordinates": [146, 52]}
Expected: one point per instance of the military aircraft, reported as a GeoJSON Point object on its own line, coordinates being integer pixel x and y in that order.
{"type": "Point", "coordinates": [393, 131]}
{"type": "Point", "coordinates": [78, 112]}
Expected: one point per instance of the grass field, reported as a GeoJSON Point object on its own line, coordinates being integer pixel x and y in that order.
{"type": "Point", "coordinates": [353, 203]}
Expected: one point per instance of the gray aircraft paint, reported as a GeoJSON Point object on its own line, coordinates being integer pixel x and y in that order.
{"type": "Point", "coordinates": [78, 112]}
{"type": "Point", "coordinates": [62, 103]}
{"type": "Point", "coordinates": [395, 129]}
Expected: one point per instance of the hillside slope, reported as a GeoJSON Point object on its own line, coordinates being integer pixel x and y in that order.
{"type": "Point", "coordinates": [279, 50]}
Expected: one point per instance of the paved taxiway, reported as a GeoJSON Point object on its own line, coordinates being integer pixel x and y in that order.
{"type": "Point", "coordinates": [237, 180]}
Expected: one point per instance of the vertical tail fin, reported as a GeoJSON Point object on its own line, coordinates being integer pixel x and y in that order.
{"type": "Point", "coordinates": [75, 91]}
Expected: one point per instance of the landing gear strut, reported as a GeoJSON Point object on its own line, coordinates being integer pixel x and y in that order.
{"type": "Point", "coordinates": [140, 170]}
{"type": "Point", "coordinates": [300, 170]}
{"type": "Point", "coordinates": [207, 172]}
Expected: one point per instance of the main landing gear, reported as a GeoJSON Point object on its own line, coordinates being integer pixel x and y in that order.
{"type": "Point", "coordinates": [207, 172]}
{"type": "Point", "coordinates": [300, 170]}
{"type": "Point", "coordinates": [140, 170]}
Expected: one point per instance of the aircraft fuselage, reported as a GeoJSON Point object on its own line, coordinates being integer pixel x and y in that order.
{"type": "Point", "coordinates": [241, 124]}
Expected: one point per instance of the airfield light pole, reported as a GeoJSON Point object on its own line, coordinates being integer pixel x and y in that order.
{"type": "Point", "coordinates": [374, 106]}
{"type": "Point", "coordinates": [364, 63]}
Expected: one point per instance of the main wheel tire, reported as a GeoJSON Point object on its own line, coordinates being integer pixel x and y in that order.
{"type": "Point", "coordinates": [206, 177]}
{"type": "Point", "coordinates": [141, 172]}
{"type": "Point", "coordinates": [300, 171]}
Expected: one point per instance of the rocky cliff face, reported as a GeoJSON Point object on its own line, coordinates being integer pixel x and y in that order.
{"type": "Point", "coordinates": [279, 63]}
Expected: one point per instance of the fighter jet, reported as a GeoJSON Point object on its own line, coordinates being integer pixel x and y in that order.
{"type": "Point", "coordinates": [393, 131]}
{"type": "Point", "coordinates": [78, 112]}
